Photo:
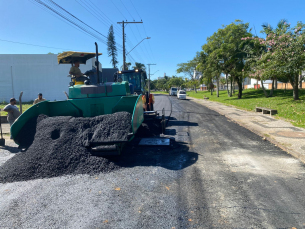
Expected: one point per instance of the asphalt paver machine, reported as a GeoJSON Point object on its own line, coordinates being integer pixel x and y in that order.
{"type": "Point", "coordinates": [137, 82]}
{"type": "Point", "coordinates": [87, 99]}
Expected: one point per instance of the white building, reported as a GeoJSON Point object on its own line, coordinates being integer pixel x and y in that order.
{"type": "Point", "coordinates": [33, 74]}
{"type": "Point", "coordinates": [251, 83]}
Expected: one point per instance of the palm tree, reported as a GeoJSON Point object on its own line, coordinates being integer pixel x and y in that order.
{"type": "Point", "coordinates": [139, 66]}
{"type": "Point", "coordinates": [127, 65]}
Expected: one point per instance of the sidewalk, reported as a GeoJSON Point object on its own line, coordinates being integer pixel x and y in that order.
{"type": "Point", "coordinates": [279, 132]}
{"type": "Point", "coordinates": [5, 128]}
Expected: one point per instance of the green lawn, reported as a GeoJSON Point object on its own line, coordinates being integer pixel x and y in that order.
{"type": "Point", "coordinates": [287, 108]}
{"type": "Point", "coordinates": [159, 92]}
{"type": "Point", "coordinates": [25, 106]}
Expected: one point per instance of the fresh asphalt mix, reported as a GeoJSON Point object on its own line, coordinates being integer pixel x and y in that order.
{"type": "Point", "coordinates": [216, 174]}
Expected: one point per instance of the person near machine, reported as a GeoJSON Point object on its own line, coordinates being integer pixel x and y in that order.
{"type": "Point", "coordinates": [39, 99]}
{"type": "Point", "coordinates": [74, 70]}
{"type": "Point", "coordinates": [12, 111]}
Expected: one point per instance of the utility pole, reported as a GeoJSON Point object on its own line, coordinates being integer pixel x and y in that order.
{"type": "Point", "coordinates": [123, 26]}
{"type": "Point", "coordinates": [149, 77]}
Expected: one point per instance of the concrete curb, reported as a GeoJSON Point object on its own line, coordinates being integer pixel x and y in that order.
{"type": "Point", "coordinates": [292, 152]}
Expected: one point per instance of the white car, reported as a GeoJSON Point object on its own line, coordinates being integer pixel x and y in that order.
{"type": "Point", "coordinates": [173, 91]}
{"type": "Point", "coordinates": [181, 94]}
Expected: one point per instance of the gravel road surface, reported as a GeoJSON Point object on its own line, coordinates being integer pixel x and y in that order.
{"type": "Point", "coordinates": [216, 175]}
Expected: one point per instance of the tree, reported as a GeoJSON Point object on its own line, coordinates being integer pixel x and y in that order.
{"type": "Point", "coordinates": [111, 47]}
{"type": "Point", "coordinates": [189, 68]}
{"type": "Point", "coordinates": [222, 81]}
{"type": "Point", "coordinates": [223, 53]}
{"type": "Point", "coordinates": [232, 53]}
{"type": "Point", "coordinates": [127, 65]}
{"type": "Point", "coordinates": [139, 66]}
{"type": "Point", "coordinates": [153, 84]}
{"type": "Point", "coordinates": [162, 84]}
{"type": "Point", "coordinates": [175, 81]}
{"type": "Point", "coordinates": [284, 55]}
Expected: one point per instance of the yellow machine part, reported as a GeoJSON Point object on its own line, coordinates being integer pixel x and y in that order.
{"type": "Point", "coordinates": [77, 82]}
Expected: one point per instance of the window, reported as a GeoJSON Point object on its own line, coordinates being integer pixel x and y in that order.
{"type": "Point", "coordinates": [134, 78]}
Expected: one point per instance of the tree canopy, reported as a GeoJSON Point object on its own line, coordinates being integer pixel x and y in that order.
{"type": "Point", "coordinates": [139, 66]}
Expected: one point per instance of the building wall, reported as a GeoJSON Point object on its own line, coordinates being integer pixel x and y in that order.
{"type": "Point", "coordinates": [282, 86]}
{"type": "Point", "coordinates": [32, 74]}
{"type": "Point", "coordinates": [253, 83]}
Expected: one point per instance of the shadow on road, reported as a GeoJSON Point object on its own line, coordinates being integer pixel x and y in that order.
{"type": "Point", "coordinates": [174, 122]}
{"type": "Point", "coordinates": [11, 149]}
{"type": "Point", "coordinates": [174, 157]}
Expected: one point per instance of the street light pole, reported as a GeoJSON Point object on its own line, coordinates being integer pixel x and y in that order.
{"type": "Point", "coordinates": [123, 26]}
{"type": "Point", "coordinates": [149, 78]}
{"type": "Point", "coordinates": [138, 44]}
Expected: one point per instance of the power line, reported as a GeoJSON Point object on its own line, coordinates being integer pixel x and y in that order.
{"type": "Point", "coordinates": [135, 9]}
{"type": "Point", "coordinates": [132, 59]}
{"type": "Point", "coordinates": [136, 37]}
{"type": "Point", "coordinates": [148, 42]}
{"type": "Point", "coordinates": [55, 15]}
{"type": "Point", "coordinates": [127, 9]}
{"type": "Point", "coordinates": [71, 21]}
{"type": "Point", "coordinates": [123, 27]}
{"type": "Point", "coordinates": [93, 10]}
{"type": "Point", "coordinates": [119, 10]}
{"type": "Point", "coordinates": [139, 57]}
{"type": "Point", "coordinates": [16, 42]}
{"type": "Point", "coordinates": [85, 7]}
{"type": "Point", "coordinates": [130, 28]}
{"type": "Point", "coordinates": [77, 18]}
{"type": "Point", "coordinates": [126, 20]}
{"type": "Point", "coordinates": [100, 11]}
{"type": "Point", "coordinates": [144, 30]}
{"type": "Point", "coordinates": [140, 33]}
{"type": "Point", "coordinates": [138, 27]}
{"type": "Point", "coordinates": [96, 16]}
{"type": "Point", "coordinates": [96, 7]}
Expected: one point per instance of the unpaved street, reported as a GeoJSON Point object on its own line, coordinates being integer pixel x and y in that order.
{"type": "Point", "coordinates": [216, 175]}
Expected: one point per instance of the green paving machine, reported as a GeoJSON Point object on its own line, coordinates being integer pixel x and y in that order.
{"type": "Point", "coordinates": [137, 81]}
{"type": "Point", "coordinates": [88, 100]}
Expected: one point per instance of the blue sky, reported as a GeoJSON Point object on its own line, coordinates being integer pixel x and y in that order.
{"type": "Point", "coordinates": [178, 28]}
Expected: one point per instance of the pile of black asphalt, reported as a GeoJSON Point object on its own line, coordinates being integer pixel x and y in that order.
{"type": "Point", "coordinates": [60, 146]}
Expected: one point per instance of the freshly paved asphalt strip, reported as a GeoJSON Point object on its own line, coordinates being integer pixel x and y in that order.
{"type": "Point", "coordinates": [279, 132]}
{"type": "Point", "coordinates": [217, 175]}
{"type": "Point", "coordinates": [163, 102]}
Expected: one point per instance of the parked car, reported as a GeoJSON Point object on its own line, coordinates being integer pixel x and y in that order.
{"type": "Point", "coordinates": [181, 94]}
{"type": "Point", "coordinates": [173, 91]}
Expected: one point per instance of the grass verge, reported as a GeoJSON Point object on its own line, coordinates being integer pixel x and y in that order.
{"type": "Point", "coordinates": [159, 92]}
{"type": "Point", "coordinates": [25, 106]}
{"type": "Point", "coordinates": [288, 109]}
